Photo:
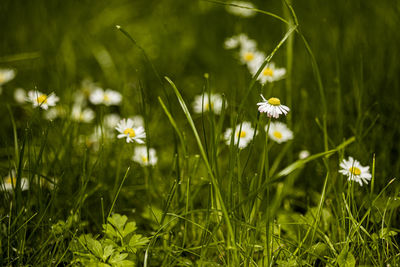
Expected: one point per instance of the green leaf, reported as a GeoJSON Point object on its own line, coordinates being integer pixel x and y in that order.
{"type": "Point", "coordinates": [108, 251]}
{"type": "Point", "coordinates": [137, 241]}
{"type": "Point", "coordinates": [118, 221]}
{"type": "Point", "coordinates": [346, 259]}
{"type": "Point", "coordinates": [95, 247]}
{"type": "Point", "coordinates": [129, 228]}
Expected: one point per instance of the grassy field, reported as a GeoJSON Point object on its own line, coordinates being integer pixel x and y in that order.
{"type": "Point", "coordinates": [131, 134]}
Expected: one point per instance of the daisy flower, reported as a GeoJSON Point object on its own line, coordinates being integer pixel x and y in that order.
{"type": "Point", "coordinates": [82, 115]}
{"type": "Point", "coordinates": [44, 101]}
{"type": "Point", "coordinates": [10, 182]}
{"type": "Point", "coordinates": [140, 156]}
{"type": "Point", "coordinates": [243, 134]}
{"type": "Point", "coordinates": [279, 132]}
{"type": "Point", "coordinates": [241, 8]}
{"type": "Point", "coordinates": [270, 73]}
{"type": "Point", "coordinates": [20, 95]}
{"type": "Point", "coordinates": [6, 75]}
{"type": "Point", "coordinates": [304, 154]}
{"type": "Point", "coordinates": [249, 56]}
{"type": "Point", "coordinates": [208, 102]}
{"type": "Point", "coordinates": [126, 129]}
{"type": "Point", "coordinates": [355, 171]}
{"type": "Point", "coordinates": [108, 97]}
{"type": "Point", "coordinates": [272, 107]}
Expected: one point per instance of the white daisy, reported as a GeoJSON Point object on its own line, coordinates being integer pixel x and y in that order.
{"type": "Point", "coordinates": [304, 154]}
{"type": "Point", "coordinates": [108, 97]}
{"type": "Point", "coordinates": [279, 132]}
{"type": "Point", "coordinates": [44, 101]}
{"type": "Point", "coordinates": [10, 182]}
{"type": "Point", "coordinates": [20, 95]}
{"type": "Point", "coordinates": [272, 107]}
{"type": "Point", "coordinates": [207, 102]}
{"type": "Point", "coordinates": [249, 56]}
{"type": "Point", "coordinates": [271, 74]}
{"type": "Point", "coordinates": [140, 156]}
{"type": "Point", "coordinates": [6, 75]}
{"type": "Point", "coordinates": [243, 135]}
{"type": "Point", "coordinates": [126, 129]}
{"type": "Point", "coordinates": [82, 115]}
{"type": "Point", "coordinates": [241, 8]}
{"type": "Point", "coordinates": [353, 169]}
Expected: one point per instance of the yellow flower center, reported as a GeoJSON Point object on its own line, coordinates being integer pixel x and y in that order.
{"type": "Point", "coordinates": [277, 134]}
{"type": "Point", "coordinates": [268, 72]}
{"type": "Point", "coordinates": [242, 134]}
{"type": "Point", "coordinates": [144, 159]}
{"type": "Point", "coordinates": [355, 171]}
{"type": "Point", "coordinates": [12, 181]}
{"type": "Point", "coordinates": [209, 106]}
{"type": "Point", "coordinates": [42, 99]}
{"type": "Point", "coordinates": [274, 101]}
{"type": "Point", "coordinates": [130, 132]}
{"type": "Point", "coordinates": [2, 77]}
{"type": "Point", "coordinates": [248, 56]}
{"type": "Point", "coordinates": [106, 97]}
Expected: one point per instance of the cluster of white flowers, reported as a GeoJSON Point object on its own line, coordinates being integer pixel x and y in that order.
{"type": "Point", "coordinates": [208, 102]}
{"type": "Point", "coordinates": [107, 97]}
{"type": "Point", "coordinates": [250, 56]}
{"type": "Point", "coordinates": [241, 8]}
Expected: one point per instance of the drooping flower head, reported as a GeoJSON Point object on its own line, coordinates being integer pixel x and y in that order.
{"type": "Point", "coordinates": [272, 107]}
{"type": "Point", "coordinates": [208, 102]}
{"type": "Point", "coordinates": [355, 171]}
{"type": "Point", "coordinates": [243, 134]}
{"type": "Point", "coordinates": [108, 97]}
{"type": "Point", "coordinates": [140, 156]}
{"type": "Point", "coordinates": [42, 100]}
{"type": "Point", "coordinates": [133, 134]}
{"type": "Point", "coordinates": [279, 132]}
{"type": "Point", "coordinates": [241, 8]}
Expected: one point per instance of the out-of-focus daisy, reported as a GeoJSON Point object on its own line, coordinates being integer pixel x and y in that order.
{"type": "Point", "coordinates": [54, 113]}
{"type": "Point", "coordinates": [249, 56]}
{"type": "Point", "coordinates": [304, 154]}
{"type": "Point", "coordinates": [355, 171]}
{"type": "Point", "coordinates": [279, 132]}
{"type": "Point", "coordinates": [272, 107]}
{"type": "Point", "coordinates": [111, 120]}
{"type": "Point", "coordinates": [126, 129]}
{"type": "Point", "coordinates": [270, 73]}
{"type": "Point", "coordinates": [20, 95]}
{"type": "Point", "coordinates": [241, 8]}
{"type": "Point", "coordinates": [208, 102]}
{"type": "Point", "coordinates": [6, 75]}
{"type": "Point", "coordinates": [82, 115]}
{"type": "Point", "coordinates": [10, 182]}
{"type": "Point", "coordinates": [42, 100]}
{"type": "Point", "coordinates": [108, 97]}
{"type": "Point", "coordinates": [137, 120]}
{"type": "Point", "coordinates": [140, 156]}
{"type": "Point", "coordinates": [231, 43]}
{"type": "Point", "coordinates": [243, 134]}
